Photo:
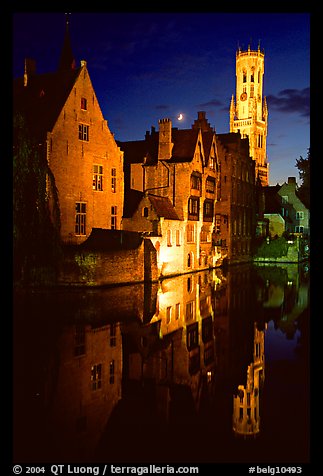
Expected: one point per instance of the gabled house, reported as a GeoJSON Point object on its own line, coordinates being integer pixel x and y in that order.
{"type": "Point", "coordinates": [275, 221]}
{"type": "Point", "coordinates": [64, 117]}
{"type": "Point", "coordinates": [172, 175]}
{"type": "Point", "coordinates": [294, 208]}
{"type": "Point", "coordinates": [284, 211]}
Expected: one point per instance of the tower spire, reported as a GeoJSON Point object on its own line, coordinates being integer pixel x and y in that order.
{"type": "Point", "coordinates": [67, 61]}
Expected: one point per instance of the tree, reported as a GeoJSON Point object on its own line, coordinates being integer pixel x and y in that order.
{"type": "Point", "coordinates": [36, 218]}
{"type": "Point", "coordinates": [303, 166]}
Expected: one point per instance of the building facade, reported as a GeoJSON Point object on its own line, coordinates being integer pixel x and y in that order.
{"type": "Point", "coordinates": [178, 172]}
{"type": "Point", "coordinates": [236, 207]}
{"type": "Point", "coordinates": [293, 208]}
{"type": "Point", "coordinates": [64, 116]}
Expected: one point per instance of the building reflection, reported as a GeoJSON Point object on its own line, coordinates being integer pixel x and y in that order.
{"type": "Point", "coordinates": [190, 348]}
{"type": "Point", "coordinates": [176, 349]}
{"type": "Point", "coordinates": [246, 403]}
{"type": "Point", "coordinates": [86, 389]}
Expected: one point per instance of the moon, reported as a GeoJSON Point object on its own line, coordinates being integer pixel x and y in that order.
{"type": "Point", "coordinates": [180, 117]}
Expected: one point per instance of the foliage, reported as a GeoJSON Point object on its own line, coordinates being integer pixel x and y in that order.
{"type": "Point", "coordinates": [274, 249]}
{"type": "Point", "coordinates": [36, 218]}
{"type": "Point", "coordinates": [304, 166]}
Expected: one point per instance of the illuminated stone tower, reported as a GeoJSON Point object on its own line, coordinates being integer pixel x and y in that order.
{"type": "Point", "coordinates": [246, 403]}
{"type": "Point", "coordinates": [249, 114]}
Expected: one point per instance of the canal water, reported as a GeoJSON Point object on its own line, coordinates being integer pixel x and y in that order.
{"type": "Point", "coordinates": [208, 367]}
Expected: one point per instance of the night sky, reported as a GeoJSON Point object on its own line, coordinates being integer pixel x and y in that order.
{"type": "Point", "coordinates": [148, 66]}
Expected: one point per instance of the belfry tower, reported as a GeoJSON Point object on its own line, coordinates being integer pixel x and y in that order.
{"type": "Point", "coordinates": [249, 114]}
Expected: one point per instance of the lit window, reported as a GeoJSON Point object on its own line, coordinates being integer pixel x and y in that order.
{"type": "Point", "coordinates": [97, 177]}
{"type": "Point", "coordinates": [190, 234]}
{"type": "Point", "coordinates": [96, 376]}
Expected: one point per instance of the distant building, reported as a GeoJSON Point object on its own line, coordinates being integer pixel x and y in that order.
{"type": "Point", "coordinates": [63, 114]}
{"type": "Point", "coordinates": [249, 112]}
{"type": "Point", "coordinates": [284, 211]}
{"type": "Point", "coordinates": [294, 208]}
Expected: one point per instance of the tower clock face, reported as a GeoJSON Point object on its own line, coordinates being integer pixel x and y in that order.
{"type": "Point", "coordinates": [243, 96]}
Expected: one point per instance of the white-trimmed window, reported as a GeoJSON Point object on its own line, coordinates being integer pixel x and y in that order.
{"type": "Point", "coordinates": [84, 132]}
{"type": "Point", "coordinates": [300, 215]}
{"type": "Point", "coordinates": [98, 177]}
{"type": "Point", "coordinates": [190, 233]}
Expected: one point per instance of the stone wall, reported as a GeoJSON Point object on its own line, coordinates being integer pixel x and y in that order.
{"type": "Point", "coordinates": [86, 267]}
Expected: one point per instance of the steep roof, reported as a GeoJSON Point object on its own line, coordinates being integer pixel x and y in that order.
{"type": "Point", "coordinates": [272, 199]}
{"type": "Point", "coordinates": [42, 100]}
{"type": "Point", "coordinates": [184, 144]}
{"type": "Point", "coordinates": [43, 96]}
{"type": "Point", "coordinates": [184, 141]}
{"type": "Point", "coordinates": [131, 202]}
{"type": "Point", "coordinates": [135, 152]}
{"type": "Point", "coordinates": [163, 207]}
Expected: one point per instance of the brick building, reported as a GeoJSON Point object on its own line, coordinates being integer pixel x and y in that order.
{"type": "Point", "coordinates": [63, 114]}
{"type": "Point", "coordinates": [284, 211]}
{"type": "Point", "coordinates": [236, 207]}
{"type": "Point", "coordinates": [171, 182]}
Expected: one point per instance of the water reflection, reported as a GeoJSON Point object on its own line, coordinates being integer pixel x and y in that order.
{"type": "Point", "coordinates": [172, 371]}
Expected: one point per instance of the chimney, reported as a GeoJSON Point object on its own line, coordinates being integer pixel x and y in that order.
{"type": "Point", "coordinates": [30, 69]}
{"type": "Point", "coordinates": [292, 181]}
{"type": "Point", "coordinates": [165, 145]}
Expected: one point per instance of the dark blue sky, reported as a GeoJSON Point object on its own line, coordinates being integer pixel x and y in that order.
{"type": "Point", "coordinates": [147, 66]}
